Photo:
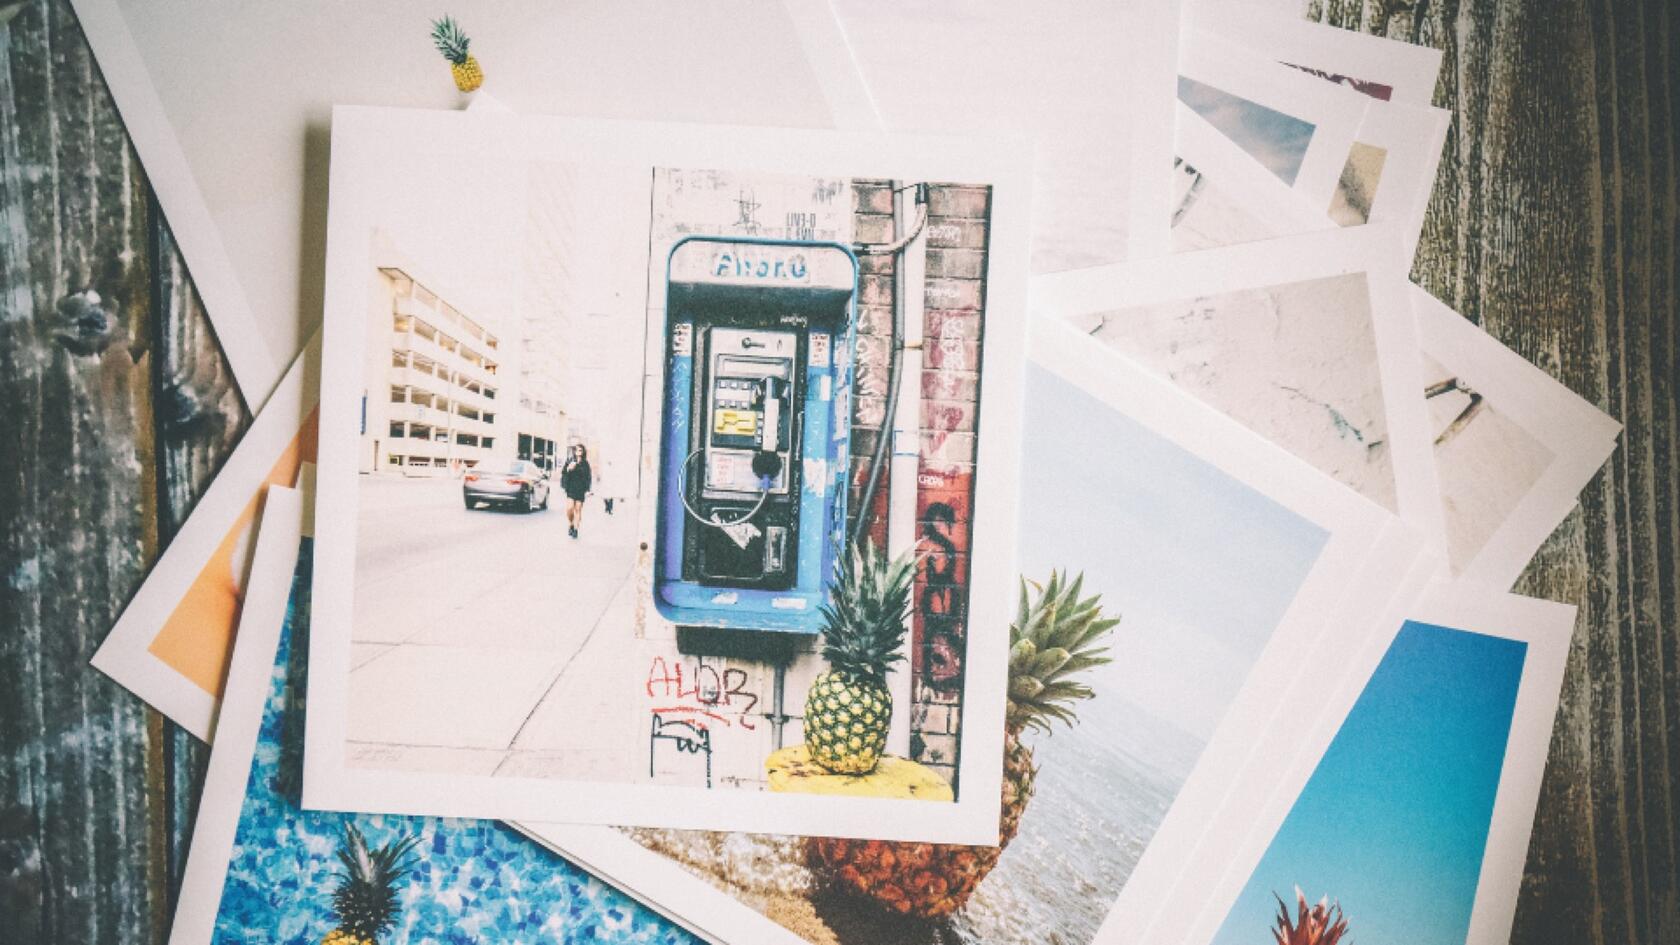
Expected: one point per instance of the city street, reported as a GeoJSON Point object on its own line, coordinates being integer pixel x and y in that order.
{"type": "Point", "coordinates": [488, 641]}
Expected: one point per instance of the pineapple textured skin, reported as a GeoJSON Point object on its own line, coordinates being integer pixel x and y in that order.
{"type": "Point", "coordinates": [468, 75]}
{"type": "Point", "coordinates": [846, 721]}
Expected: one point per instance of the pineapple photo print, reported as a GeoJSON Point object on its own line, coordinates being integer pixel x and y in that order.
{"type": "Point", "coordinates": [622, 527]}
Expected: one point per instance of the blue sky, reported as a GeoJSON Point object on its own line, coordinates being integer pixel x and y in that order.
{"type": "Point", "coordinates": [1394, 819]}
{"type": "Point", "coordinates": [1199, 566]}
{"type": "Point", "coordinates": [1276, 140]}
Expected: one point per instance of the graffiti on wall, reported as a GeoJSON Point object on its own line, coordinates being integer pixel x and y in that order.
{"type": "Point", "coordinates": [701, 691]}
{"type": "Point", "coordinates": [941, 604]}
{"type": "Point", "coordinates": [681, 736]}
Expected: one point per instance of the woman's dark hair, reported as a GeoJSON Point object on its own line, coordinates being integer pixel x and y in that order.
{"type": "Point", "coordinates": [582, 451]}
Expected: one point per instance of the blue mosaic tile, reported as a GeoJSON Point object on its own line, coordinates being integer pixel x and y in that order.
{"type": "Point", "coordinates": [473, 882]}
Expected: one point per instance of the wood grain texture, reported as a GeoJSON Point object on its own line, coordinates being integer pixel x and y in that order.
{"type": "Point", "coordinates": [1553, 224]}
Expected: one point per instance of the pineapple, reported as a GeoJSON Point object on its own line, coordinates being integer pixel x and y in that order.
{"type": "Point", "coordinates": [1322, 924]}
{"type": "Point", "coordinates": [366, 897]}
{"type": "Point", "coordinates": [453, 43]}
{"type": "Point", "coordinates": [1053, 639]}
{"type": "Point", "coordinates": [848, 708]}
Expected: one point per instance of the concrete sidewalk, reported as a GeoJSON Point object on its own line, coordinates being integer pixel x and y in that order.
{"type": "Point", "coordinates": [490, 642]}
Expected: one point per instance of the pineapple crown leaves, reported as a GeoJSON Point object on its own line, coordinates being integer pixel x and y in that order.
{"type": "Point", "coordinates": [864, 620]}
{"type": "Point", "coordinates": [1320, 924]}
{"type": "Point", "coordinates": [449, 40]}
{"type": "Point", "coordinates": [366, 896]}
{"type": "Point", "coordinates": [1053, 639]}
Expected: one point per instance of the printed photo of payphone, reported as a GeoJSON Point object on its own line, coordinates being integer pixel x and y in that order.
{"type": "Point", "coordinates": [756, 428]}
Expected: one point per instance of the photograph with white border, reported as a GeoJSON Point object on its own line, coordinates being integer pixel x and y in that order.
{"type": "Point", "coordinates": [1466, 682]}
{"type": "Point", "coordinates": [171, 644]}
{"type": "Point", "coordinates": [1514, 447]}
{"type": "Point", "coordinates": [605, 431]}
{"type": "Point", "coordinates": [1298, 127]}
{"type": "Point", "coordinates": [1309, 340]}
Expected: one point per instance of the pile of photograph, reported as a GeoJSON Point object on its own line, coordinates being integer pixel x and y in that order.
{"type": "Point", "coordinates": [915, 500]}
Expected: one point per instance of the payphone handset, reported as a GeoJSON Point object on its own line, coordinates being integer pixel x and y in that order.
{"type": "Point", "coordinates": [749, 410]}
{"type": "Point", "coordinates": [754, 454]}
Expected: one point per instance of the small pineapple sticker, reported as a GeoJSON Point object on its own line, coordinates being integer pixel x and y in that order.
{"type": "Point", "coordinates": [447, 36]}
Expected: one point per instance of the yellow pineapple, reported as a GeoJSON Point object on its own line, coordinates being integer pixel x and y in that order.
{"type": "Point", "coordinates": [1054, 637]}
{"type": "Point", "coordinates": [848, 709]}
{"type": "Point", "coordinates": [453, 43]}
{"type": "Point", "coordinates": [366, 897]}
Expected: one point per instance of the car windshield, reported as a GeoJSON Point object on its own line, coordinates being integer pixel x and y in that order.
{"type": "Point", "coordinates": [509, 469]}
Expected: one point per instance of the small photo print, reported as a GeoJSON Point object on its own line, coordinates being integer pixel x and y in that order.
{"type": "Point", "coordinates": [1485, 461]}
{"type": "Point", "coordinates": [1386, 841]}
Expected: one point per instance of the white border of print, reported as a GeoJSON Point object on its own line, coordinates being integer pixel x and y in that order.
{"type": "Point", "coordinates": [223, 798]}
{"type": "Point", "coordinates": [1579, 435]}
{"type": "Point", "coordinates": [1236, 846]}
{"type": "Point", "coordinates": [124, 654]}
{"type": "Point", "coordinates": [1335, 112]}
{"type": "Point", "coordinates": [1366, 548]}
{"type": "Point", "coordinates": [1371, 249]}
{"type": "Point", "coordinates": [368, 141]}
{"type": "Point", "coordinates": [256, 368]}
{"type": "Point", "coordinates": [1149, 49]}
{"type": "Point", "coordinates": [1410, 70]}
{"type": "Point", "coordinates": [1413, 138]}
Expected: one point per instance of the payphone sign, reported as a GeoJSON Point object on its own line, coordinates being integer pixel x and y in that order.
{"type": "Point", "coordinates": [733, 263]}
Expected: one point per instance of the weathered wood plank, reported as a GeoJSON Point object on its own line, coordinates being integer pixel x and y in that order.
{"type": "Point", "coordinates": [74, 502]}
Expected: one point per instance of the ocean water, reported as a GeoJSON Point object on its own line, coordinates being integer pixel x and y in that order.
{"type": "Point", "coordinates": [1103, 789]}
{"type": "Point", "coordinates": [473, 881]}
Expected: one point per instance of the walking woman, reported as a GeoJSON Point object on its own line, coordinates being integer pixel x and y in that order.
{"type": "Point", "coordinates": [576, 481]}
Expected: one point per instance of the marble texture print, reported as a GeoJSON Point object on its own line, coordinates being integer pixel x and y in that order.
{"type": "Point", "coordinates": [464, 881]}
{"type": "Point", "coordinates": [1295, 362]}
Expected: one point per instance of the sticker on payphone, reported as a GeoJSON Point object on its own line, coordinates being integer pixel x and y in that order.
{"type": "Point", "coordinates": [682, 339]}
{"type": "Point", "coordinates": [735, 422]}
{"type": "Point", "coordinates": [819, 349]}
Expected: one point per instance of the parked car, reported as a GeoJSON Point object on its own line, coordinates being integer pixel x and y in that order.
{"type": "Point", "coordinates": [520, 484]}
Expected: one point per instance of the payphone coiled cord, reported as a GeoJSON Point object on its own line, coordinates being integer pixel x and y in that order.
{"type": "Point", "coordinates": [682, 493]}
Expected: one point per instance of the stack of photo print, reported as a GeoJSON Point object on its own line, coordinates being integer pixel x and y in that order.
{"type": "Point", "coordinates": [1041, 509]}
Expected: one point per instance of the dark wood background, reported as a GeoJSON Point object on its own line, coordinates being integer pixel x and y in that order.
{"type": "Point", "coordinates": [1553, 224]}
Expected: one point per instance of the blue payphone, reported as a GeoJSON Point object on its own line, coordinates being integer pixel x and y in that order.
{"type": "Point", "coordinates": [756, 426]}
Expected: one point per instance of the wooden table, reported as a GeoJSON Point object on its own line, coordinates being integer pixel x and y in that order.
{"type": "Point", "coordinates": [1553, 224]}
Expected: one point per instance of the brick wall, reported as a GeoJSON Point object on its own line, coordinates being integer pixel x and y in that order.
{"type": "Point", "coordinates": [954, 303]}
